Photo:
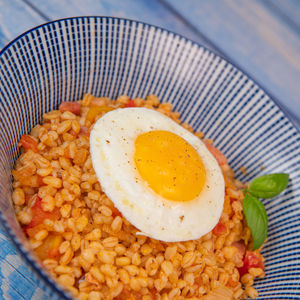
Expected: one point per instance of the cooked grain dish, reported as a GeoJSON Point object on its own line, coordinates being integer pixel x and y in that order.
{"type": "Point", "coordinates": [91, 249]}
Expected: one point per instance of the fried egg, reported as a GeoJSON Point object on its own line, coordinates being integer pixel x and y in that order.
{"type": "Point", "coordinates": [159, 175]}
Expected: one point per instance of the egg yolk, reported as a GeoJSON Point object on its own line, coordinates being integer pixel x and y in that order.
{"type": "Point", "coordinates": [170, 165]}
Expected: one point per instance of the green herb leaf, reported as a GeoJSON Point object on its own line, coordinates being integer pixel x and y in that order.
{"type": "Point", "coordinates": [257, 219]}
{"type": "Point", "coordinates": [268, 186]}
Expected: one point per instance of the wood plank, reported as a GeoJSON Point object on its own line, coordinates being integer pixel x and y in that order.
{"type": "Point", "coordinates": [287, 10]}
{"type": "Point", "coordinates": [16, 280]}
{"type": "Point", "coordinates": [15, 18]}
{"type": "Point", "coordinates": [152, 12]}
{"type": "Point", "coordinates": [254, 39]}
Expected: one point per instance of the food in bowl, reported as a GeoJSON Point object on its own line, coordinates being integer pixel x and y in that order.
{"type": "Point", "coordinates": [88, 244]}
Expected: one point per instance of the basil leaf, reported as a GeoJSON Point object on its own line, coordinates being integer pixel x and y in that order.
{"type": "Point", "coordinates": [268, 186]}
{"type": "Point", "coordinates": [256, 218]}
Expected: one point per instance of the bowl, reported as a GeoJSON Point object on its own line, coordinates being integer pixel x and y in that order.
{"type": "Point", "coordinates": [62, 60]}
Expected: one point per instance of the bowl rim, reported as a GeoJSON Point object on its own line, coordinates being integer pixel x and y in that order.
{"type": "Point", "coordinates": [30, 261]}
{"type": "Point", "coordinates": [221, 55]}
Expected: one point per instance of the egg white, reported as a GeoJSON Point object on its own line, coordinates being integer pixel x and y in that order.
{"type": "Point", "coordinates": [112, 147]}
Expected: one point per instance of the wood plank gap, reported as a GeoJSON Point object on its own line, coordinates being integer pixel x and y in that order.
{"type": "Point", "coordinates": [178, 15]}
{"type": "Point", "coordinates": [282, 15]}
{"type": "Point", "coordinates": [290, 114]}
{"type": "Point", "coordinates": [38, 11]}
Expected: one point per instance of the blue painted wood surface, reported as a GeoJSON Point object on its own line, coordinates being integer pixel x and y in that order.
{"type": "Point", "coordinates": [260, 36]}
{"type": "Point", "coordinates": [152, 12]}
{"type": "Point", "coordinates": [15, 18]}
{"type": "Point", "coordinates": [286, 11]}
{"type": "Point", "coordinates": [253, 38]}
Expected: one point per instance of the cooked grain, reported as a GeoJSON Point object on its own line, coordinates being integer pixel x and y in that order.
{"type": "Point", "coordinates": [99, 255]}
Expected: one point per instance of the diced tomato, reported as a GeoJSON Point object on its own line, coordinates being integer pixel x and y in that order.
{"type": "Point", "coordinates": [38, 217]}
{"type": "Point", "coordinates": [73, 107]}
{"type": "Point", "coordinates": [154, 294]}
{"type": "Point", "coordinates": [219, 156]}
{"type": "Point", "coordinates": [27, 198]}
{"type": "Point", "coordinates": [219, 229]}
{"type": "Point", "coordinates": [29, 142]}
{"type": "Point", "coordinates": [31, 181]}
{"type": "Point", "coordinates": [130, 103]}
{"type": "Point", "coordinates": [116, 212]}
{"type": "Point", "coordinates": [72, 132]}
{"type": "Point", "coordinates": [232, 283]}
{"type": "Point", "coordinates": [49, 247]}
{"type": "Point", "coordinates": [40, 180]}
{"type": "Point", "coordinates": [251, 260]}
{"type": "Point", "coordinates": [32, 231]}
{"type": "Point", "coordinates": [241, 247]}
{"type": "Point", "coordinates": [198, 281]}
{"type": "Point", "coordinates": [94, 111]}
{"type": "Point", "coordinates": [53, 253]}
{"type": "Point", "coordinates": [232, 200]}
{"type": "Point", "coordinates": [84, 131]}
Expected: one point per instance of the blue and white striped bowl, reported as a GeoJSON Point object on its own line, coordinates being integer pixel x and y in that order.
{"type": "Point", "coordinates": [62, 60]}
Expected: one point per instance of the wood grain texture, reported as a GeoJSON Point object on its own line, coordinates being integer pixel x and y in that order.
{"type": "Point", "coordinates": [15, 18]}
{"type": "Point", "coordinates": [247, 33]}
{"type": "Point", "coordinates": [152, 12]}
{"type": "Point", "coordinates": [16, 280]}
{"type": "Point", "coordinates": [254, 39]}
{"type": "Point", "coordinates": [287, 10]}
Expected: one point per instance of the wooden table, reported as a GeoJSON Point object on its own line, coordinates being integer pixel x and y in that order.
{"type": "Point", "coordinates": [261, 37]}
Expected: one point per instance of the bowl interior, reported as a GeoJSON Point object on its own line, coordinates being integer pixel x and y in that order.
{"type": "Point", "coordinates": [62, 60]}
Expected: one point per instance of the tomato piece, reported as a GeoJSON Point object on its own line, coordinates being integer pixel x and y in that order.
{"type": "Point", "coordinates": [232, 200]}
{"type": "Point", "coordinates": [84, 131]}
{"type": "Point", "coordinates": [49, 247]}
{"type": "Point", "coordinates": [219, 229]}
{"type": "Point", "coordinates": [251, 260]}
{"type": "Point", "coordinates": [241, 247]}
{"type": "Point", "coordinates": [243, 270]}
{"type": "Point", "coordinates": [218, 155]}
{"type": "Point", "coordinates": [27, 198]}
{"type": "Point", "coordinates": [54, 252]}
{"type": "Point", "coordinates": [115, 212]}
{"type": "Point", "coordinates": [72, 132]}
{"type": "Point", "coordinates": [198, 281]}
{"type": "Point", "coordinates": [73, 107]}
{"type": "Point", "coordinates": [130, 103]}
{"type": "Point", "coordinates": [32, 231]}
{"type": "Point", "coordinates": [232, 283]}
{"type": "Point", "coordinates": [154, 293]}
{"type": "Point", "coordinates": [32, 181]}
{"type": "Point", "coordinates": [29, 142]}
{"type": "Point", "coordinates": [94, 111]}
{"type": "Point", "coordinates": [40, 180]}
{"type": "Point", "coordinates": [38, 217]}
